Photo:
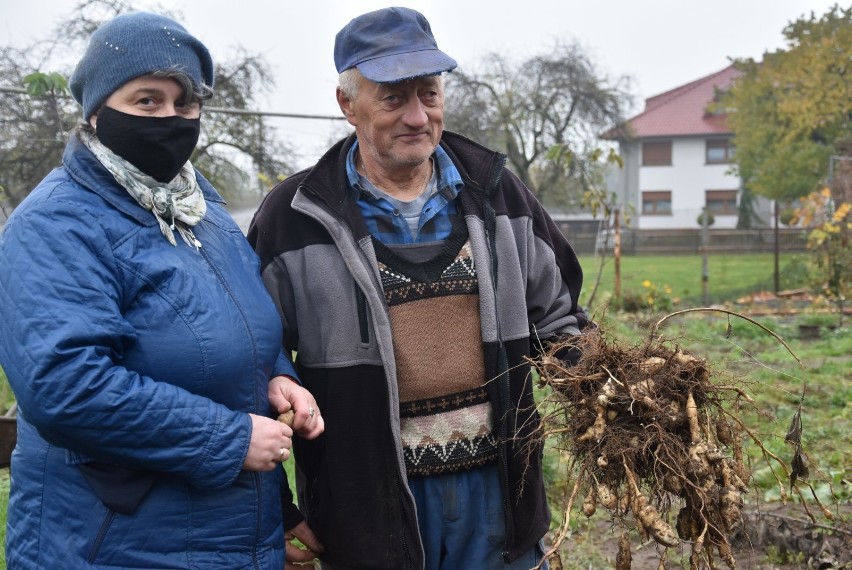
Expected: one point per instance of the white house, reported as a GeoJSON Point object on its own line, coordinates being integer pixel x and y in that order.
{"type": "Point", "coordinates": [677, 158]}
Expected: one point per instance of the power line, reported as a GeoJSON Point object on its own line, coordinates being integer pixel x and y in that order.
{"type": "Point", "coordinates": [271, 114]}
{"type": "Point", "coordinates": [224, 110]}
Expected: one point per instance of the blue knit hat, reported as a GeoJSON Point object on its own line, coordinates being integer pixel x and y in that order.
{"type": "Point", "coordinates": [389, 45]}
{"type": "Point", "coordinates": [130, 46]}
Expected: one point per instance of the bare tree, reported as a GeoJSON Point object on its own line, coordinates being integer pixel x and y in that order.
{"type": "Point", "coordinates": [239, 153]}
{"type": "Point", "coordinates": [34, 129]}
{"type": "Point", "coordinates": [524, 109]}
{"type": "Point", "coordinates": [230, 140]}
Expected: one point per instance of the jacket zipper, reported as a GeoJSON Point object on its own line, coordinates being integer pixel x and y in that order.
{"type": "Point", "coordinates": [253, 344]}
{"type": "Point", "coordinates": [503, 375]}
{"type": "Point", "coordinates": [503, 461]}
{"type": "Point", "coordinates": [257, 491]}
{"type": "Point", "coordinates": [99, 538]}
{"type": "Point", "coordinates": [403, 536]}
{"type": "Point", "coordinates": [362, 308]}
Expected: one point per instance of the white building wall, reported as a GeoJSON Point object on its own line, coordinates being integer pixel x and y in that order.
{"type": "Point", "coordinates": [687, 178]}
{"type": "Point", "coordinates": [624, 180]}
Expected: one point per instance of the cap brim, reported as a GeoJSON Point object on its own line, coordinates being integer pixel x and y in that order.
{"type": "Point", "coordinates": [399, 67]}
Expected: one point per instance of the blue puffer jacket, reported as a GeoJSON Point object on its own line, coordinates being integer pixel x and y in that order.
{"type": "Point", "coordinates": [127, 351]}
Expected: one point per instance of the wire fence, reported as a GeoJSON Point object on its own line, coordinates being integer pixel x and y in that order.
{"type": "Point", "coordinates": [688, 241]}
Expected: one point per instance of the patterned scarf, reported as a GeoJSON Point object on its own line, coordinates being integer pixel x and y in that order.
{"type": "Point", "coordinates": [177, 205]}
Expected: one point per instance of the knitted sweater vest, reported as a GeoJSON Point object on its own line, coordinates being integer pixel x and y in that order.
{"type": "Point", "coordinates": [433, 295]}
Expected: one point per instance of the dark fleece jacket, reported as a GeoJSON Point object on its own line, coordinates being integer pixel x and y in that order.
{"type": "Point", "coordinates": [319, 264]}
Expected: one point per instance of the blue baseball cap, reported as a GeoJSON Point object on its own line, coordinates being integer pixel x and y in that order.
{"type": "Point", "coordinates": [390, 45]}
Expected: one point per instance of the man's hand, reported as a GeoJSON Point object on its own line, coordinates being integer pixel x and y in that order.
{"type": "Point", "coordinates": [298, 556]}
{"type": "Point", "coordinates": [285, 395]}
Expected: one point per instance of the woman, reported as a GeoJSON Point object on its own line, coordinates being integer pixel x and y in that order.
{"type": "Point", "coordinates": [138, 337]}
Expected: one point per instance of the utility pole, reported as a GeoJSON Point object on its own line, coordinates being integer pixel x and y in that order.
{"type": "Point", "coordinates": [776, 277]}
{"type": "Point", "coordinates": [616, 253]}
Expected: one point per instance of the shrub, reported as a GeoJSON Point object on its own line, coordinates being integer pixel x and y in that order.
{"type": "Point", "coordinates": [710, 219]}
{"type": "Point", "coordinates": [7, 398]}
{"type": "Point", "coordinates": [651, 297]}
{"type": "Point", "coordinates": [830, 241]}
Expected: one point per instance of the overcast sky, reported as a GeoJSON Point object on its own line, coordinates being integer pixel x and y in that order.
{"type": "Point", "coordinates": [661, 44]}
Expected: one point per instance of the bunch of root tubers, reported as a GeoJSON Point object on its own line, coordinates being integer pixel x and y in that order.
{"type": "Point", "coordinates": [652, 437]}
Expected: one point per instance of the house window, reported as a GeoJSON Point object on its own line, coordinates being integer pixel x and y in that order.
{"type": "Point", "coordinates": [657, 203]}
{"type": "Point", "coordinates": [719, 151]}
{"type": "Point", "coordinates": [722, 202]}
{"type": "Point", "coordinates": [657, 153]}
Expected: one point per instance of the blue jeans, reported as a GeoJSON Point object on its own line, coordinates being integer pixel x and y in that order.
{"type": "Point", "coordinates": [461, 521]}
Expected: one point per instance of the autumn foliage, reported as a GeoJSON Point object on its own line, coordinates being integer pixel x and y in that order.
{"type": "Point", "coordinates": [788, 110]}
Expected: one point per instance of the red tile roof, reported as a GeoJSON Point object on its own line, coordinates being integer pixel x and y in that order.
{"type": "Point", "coordinates": [681, 111]}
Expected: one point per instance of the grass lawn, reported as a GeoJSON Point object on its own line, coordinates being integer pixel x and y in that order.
{"type": "Point", "coordinates": [6, 399]}
{"type": "Point", "coordinates": [729, 275]}
{"type": "Point", "coordinates": [4, 504]}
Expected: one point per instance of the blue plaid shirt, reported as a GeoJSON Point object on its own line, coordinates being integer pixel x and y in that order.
{"type": "Point", "coordinates": [387, 224]}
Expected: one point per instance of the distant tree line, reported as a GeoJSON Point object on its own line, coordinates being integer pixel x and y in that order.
{"type": "Point", "coordinates": [545, 112]}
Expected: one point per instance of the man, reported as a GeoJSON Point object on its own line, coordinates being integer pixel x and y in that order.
{"type": "Point", "coordinates": [414, 274]}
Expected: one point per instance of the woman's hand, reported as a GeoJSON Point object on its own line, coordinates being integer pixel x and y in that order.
{"type": "Point", "coordinates": [285, 395]}
{"type": "Point", "coordinates": [269, 445]}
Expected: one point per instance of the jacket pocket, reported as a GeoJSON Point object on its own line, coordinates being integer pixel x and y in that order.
{"type": "Point", "coordinates": [118, 488]}
{"type": "Point", "coordinates": [363, 324]}
{"type": "Point", "coordinates": [99, 538]}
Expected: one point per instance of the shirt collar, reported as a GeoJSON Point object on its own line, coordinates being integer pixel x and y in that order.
{"type": "Point", "coordinates": [449, 180]}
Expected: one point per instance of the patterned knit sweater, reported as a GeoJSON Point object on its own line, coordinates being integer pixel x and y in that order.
{"type": "Point", "coordinates": [433, 295]}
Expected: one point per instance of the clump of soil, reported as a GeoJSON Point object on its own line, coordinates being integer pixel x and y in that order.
{"type": "Point", "coordinates": [650, 428]}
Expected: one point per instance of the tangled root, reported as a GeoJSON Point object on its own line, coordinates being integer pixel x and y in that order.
{"type": "Point", "coordinates": [648, 429]}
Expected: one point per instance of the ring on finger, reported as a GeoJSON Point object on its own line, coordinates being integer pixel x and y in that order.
{"type": "Point", "coordinates": [311, 411]}
{"type": "Point", "coordinates": [281, 453]}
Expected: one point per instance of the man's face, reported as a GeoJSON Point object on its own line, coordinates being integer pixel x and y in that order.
{"type": "Point", "coordinates": [398, 124]}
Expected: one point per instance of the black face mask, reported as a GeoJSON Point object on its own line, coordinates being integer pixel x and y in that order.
{"type": "Point", "coordinates": [158, 146]}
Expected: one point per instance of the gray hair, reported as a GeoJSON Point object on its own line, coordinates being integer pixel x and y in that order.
{"type": "Point", "coordinates": [200, 93]}
{"type": "Point", "coordinates": [348, 81]}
